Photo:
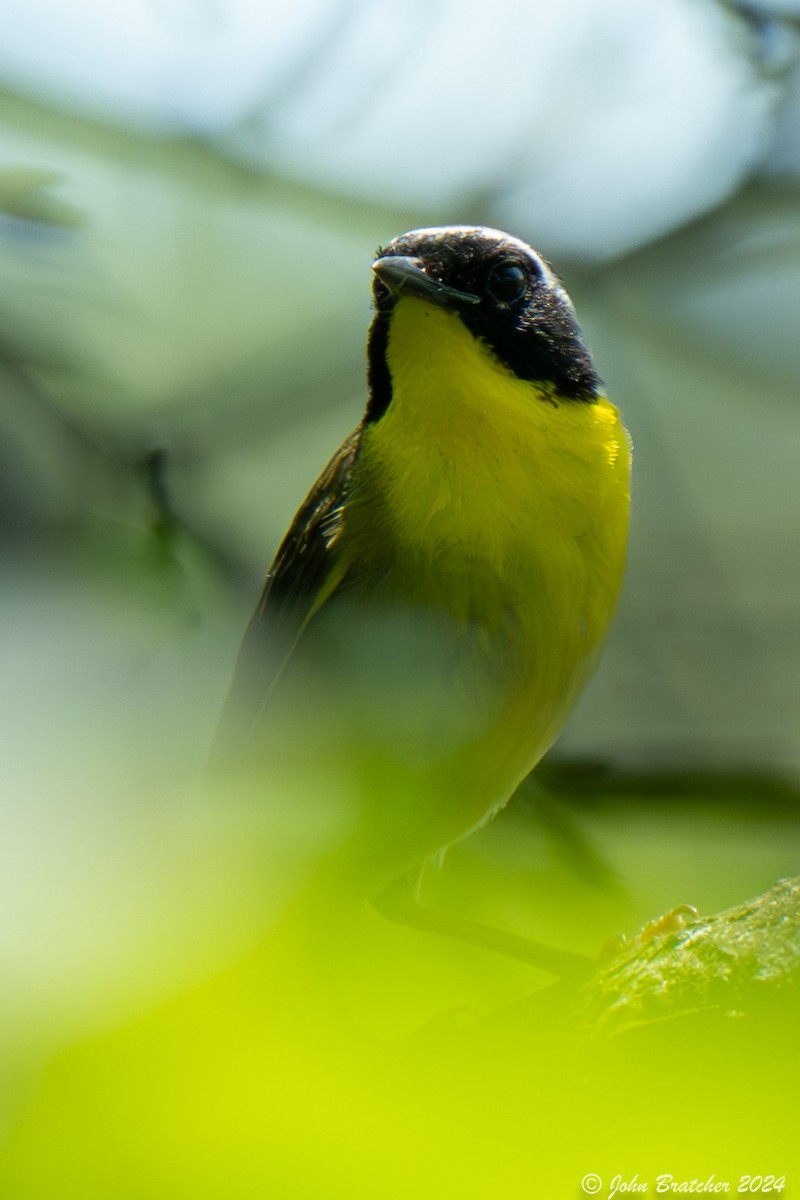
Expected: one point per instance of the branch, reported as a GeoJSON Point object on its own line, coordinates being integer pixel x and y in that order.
{"type": "Point", "coordinates": [743, 960]}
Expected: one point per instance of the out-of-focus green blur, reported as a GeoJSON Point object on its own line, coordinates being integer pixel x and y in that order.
{"type": "Point", "coordinates": [194, 1002]}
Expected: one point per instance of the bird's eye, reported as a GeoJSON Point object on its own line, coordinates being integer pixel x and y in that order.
{"type": "Point", "coordinates": [507, 282]}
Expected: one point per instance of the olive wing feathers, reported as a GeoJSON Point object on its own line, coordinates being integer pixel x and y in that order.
{"type": "Point", "coordinates": [306, 571]}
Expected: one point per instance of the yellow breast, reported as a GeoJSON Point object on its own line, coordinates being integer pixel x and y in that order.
{"type": "Point", "coordinates": [478, 466]}
{"type": "Point", "coordinates": [495, 501]}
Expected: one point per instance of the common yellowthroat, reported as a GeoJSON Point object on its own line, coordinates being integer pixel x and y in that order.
{"type": "Point", "coordinates": [444, 590]}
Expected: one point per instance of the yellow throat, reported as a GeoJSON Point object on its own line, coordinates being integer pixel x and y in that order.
{"type": "Point", "coordinates": [506, 507]}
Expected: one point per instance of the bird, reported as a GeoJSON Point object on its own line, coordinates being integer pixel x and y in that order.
{"type": "Point", "coordinates": [444, 591]}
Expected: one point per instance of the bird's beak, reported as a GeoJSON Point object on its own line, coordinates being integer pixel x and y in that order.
{"type": "Point", "coordinates": [407, 277]}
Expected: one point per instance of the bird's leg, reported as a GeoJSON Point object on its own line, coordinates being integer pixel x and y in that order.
{"type": "Point", "coordinates": [400, 903]}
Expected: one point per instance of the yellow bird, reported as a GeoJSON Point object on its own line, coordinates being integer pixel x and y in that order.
{"type": "Point", "coordinates": [444, 591]}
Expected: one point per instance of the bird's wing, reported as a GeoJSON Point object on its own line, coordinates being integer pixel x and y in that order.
{"type": "Point", "coordinates": [307, 569]}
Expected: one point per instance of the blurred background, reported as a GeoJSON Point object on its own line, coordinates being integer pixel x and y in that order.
{"type": "Point", "coordinates": [191, 193]}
